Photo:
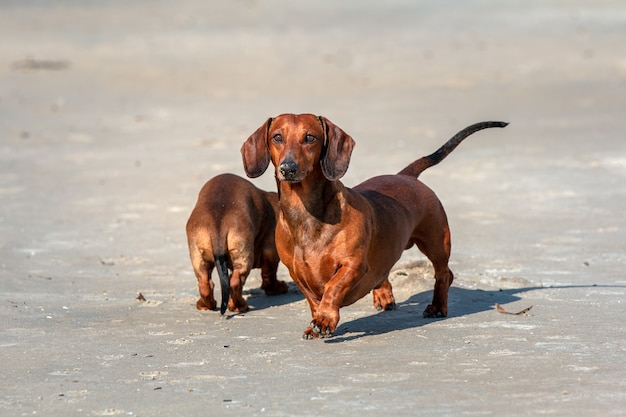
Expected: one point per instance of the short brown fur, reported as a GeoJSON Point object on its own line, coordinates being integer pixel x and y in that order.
{"type": "Point", "coordinates": [340, 243]}
{"type": "Point", "coordinates": [234, 223]}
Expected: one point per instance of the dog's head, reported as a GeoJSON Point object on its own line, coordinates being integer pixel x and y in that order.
{"type": "Point", "coordinates": [298, 145]}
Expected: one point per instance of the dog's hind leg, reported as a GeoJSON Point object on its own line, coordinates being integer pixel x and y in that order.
{"type": "Point", "coordinates": [437, 250]}
{"type": "Point", "coordinates": [237, 280]}
{"type": "Point", "coordinates": [439, 304]}
{"type": "Point", "coordinates": [203, 269]}
{"type": "Point", "coordinates": [270, 284]}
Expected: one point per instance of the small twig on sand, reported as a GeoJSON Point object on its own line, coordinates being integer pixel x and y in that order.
{"type": "Point", "coordinates": [500, 309]}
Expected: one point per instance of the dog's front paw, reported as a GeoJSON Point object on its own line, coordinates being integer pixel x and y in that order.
{"type": "Point", "coordinates": [383, 297]}
{"type": "Point", "coordinates": [387, 307]}
{"type": "Point", "coordinates": [433, 312]}
{"type": "Point", "coordinates": [309, 334]}
{"type": "Point", "coordinates": [315, 331]}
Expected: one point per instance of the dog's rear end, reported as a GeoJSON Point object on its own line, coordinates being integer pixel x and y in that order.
{"type": "Point", "coordinates": [232, 228]}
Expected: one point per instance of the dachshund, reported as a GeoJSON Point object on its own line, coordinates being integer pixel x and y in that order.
{"type": "Point", "coordinates": [340, 243]}
{"type": "Point", "coordinates": [232, 227]}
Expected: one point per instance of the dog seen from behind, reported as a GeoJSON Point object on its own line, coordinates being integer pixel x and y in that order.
{"type": "Point", "coordinates": [340, 243]}
{"type": "Point", "coordinates": [231, 228]}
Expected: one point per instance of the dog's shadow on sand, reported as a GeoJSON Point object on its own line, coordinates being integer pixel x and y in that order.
{"type": "Point", "coordinates": [408, 314]}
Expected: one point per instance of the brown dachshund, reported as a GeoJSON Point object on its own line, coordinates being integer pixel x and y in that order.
{"type": "Point", "coordinates": [340, 243]}
{"type": "Point", "coordinates": [232, 227]}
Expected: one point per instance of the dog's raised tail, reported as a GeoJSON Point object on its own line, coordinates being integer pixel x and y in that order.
{"type": "Point", "coordinates": [221, 264]}
{"type": "Point", "coordinates": [415, 168]}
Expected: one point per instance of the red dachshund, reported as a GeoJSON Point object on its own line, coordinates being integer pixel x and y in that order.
{"type": "Point", "coordinates": [232, 227]}
{"type": "Point", "coordinates": [340, 243]}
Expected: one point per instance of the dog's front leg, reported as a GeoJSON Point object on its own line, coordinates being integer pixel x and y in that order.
{"type": "Point", "coordinates": [326, 316]}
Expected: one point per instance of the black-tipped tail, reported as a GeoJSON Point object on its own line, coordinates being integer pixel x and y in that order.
{"type": "Point", "coordinates": [222, 270]}
{"type": "Point", "coordinates": [415, 168]}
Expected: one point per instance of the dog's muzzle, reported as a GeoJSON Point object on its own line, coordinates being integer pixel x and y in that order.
{"type": "Point", "coordinates": [288, 170]}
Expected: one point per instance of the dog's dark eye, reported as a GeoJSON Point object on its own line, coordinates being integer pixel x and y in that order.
{"type": "Point", "coordinates": [309, 138]}
{"type": "Point", "coordinates": [277, 138]}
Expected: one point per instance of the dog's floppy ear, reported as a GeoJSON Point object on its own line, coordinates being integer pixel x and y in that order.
{"type": "Point", "coordinates": [255, 153]}
{"type": "Point", "coordinates": [338, 147]}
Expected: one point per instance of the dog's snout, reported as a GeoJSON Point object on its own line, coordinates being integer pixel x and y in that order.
{"type": "Point", "coordinates": [288, 169]}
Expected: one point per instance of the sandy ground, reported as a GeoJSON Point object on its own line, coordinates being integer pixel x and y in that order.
{"type": "Point", "coordinates": [113, 114]}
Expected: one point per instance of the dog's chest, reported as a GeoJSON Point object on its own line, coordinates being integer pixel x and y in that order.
{"type": "Point", "coordinates": [312, 269]}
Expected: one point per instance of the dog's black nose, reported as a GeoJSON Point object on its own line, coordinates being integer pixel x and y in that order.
{"type": "Point", "coordinates": [288, 169]}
